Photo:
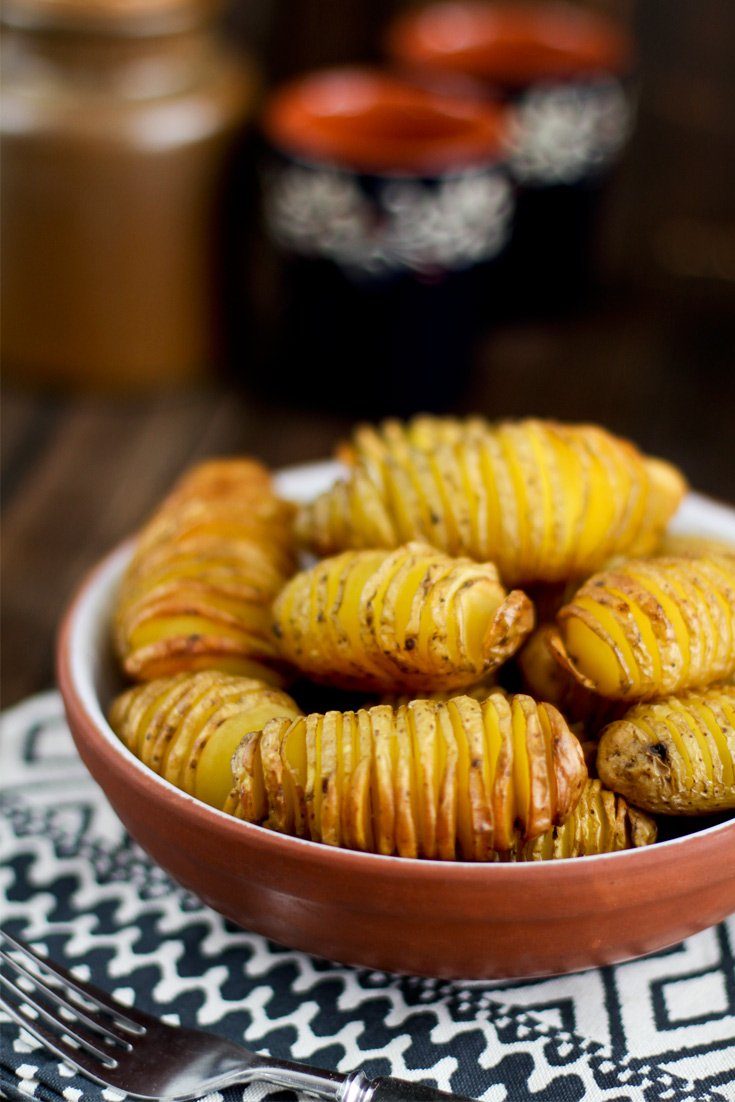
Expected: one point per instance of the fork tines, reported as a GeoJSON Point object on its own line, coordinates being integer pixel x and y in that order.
{"type": "Point", "coordinates": [60, 1010]}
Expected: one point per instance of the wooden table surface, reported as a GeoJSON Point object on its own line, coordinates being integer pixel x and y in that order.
{"type": "Point", "coordinates": [79, 474]}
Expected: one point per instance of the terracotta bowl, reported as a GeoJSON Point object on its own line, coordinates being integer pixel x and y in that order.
{"type": "Point", "coordinates": [424, 917]}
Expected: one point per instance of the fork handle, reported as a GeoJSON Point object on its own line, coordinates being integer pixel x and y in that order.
{"type": "Point", "coordinates": [358, 1088]}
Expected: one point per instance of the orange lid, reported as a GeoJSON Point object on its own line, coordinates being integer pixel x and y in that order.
{"type": "Point", "coordinates": [511, 44]}
{"type": "Point", "coordinates": [376, 122]}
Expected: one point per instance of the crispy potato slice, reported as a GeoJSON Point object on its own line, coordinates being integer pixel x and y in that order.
{"type": "Point", "coordinates": [248, 799]}
{"type": "Point", "coordinates": [381, 721]}
{"type": "Point", "coordinates": [674, 756]}
{"type": "Point", "coordinates": [424, 741]}
{"type": "Point", "coordinates": [447, 772]}
{"type": "Point", "coordinates": [467, 719]}
{"type": "Point", "coordinates": [280, 814]}
{"type": "Point", "coordinates": [293, 751]}
{"type": "Point", "coordinates": [330, 811]}
{"type": "Point", "coordinates": [358, 786]}
{"type": "Point", "coordinates": [313, 743]}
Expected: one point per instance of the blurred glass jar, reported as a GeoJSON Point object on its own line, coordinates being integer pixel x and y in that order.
{"type": "Point", "coordinates": [383, 200]}
{"type": "Point", "coordinates": [119, 123]}
{"type": "Point", "coordinates": [567, 73]}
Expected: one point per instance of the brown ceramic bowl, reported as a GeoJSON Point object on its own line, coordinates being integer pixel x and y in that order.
{"type": "Point", "coordinates": [427, 917]}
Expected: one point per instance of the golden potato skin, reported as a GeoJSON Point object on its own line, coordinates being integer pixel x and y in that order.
{"type": "Point", "coordinates": [651, 627]}
{"type": "Point", "coordinates": [186, 727]}
{"type": "Point", "coordinates": [674, 756]}
{"type": "Point", "coordinates": [544, 501]}
{"type": "Point", "coordinates": [392, 621]}
{"type": "Point", "coordinates": [602, 822]}
{"type": "Point", "coordinates": [429, 779]}
{"type": "Point", "coordinates": [205, 570]}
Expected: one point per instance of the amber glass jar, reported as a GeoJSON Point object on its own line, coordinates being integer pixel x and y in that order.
{"type": "Point", "coordinates": [119, 122]}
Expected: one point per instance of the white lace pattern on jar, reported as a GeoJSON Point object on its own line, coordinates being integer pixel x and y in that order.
{"type": "Point", "coordinates": [421, 225]}
{"type": "Point", "coordinates": [566, 132]}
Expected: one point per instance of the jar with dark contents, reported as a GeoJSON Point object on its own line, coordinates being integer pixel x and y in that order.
{"type": "Point", "coordinates": [120, 120]}
{"type": "Point", "coordinates": [567, 73]}
{"type": "Point", "coordinates": [383, 202]}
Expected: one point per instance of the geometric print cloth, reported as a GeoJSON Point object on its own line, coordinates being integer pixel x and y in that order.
{"type": "Point", "coordinates": [659, 1029]}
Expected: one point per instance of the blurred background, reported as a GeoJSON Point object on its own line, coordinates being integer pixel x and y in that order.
{"type": "Point", "coordinates": [155, 310]}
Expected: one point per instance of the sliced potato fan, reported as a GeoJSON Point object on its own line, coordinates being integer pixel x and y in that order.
{"type": "Point", "coordinates": [187, 727]}
{"type": "Point", "coordinates": [651, 627]}
{"type": "Point", "coordinates": [429, 779]}
{"type": "Point", "coordinates": [544, 501]}
{"type": "Point", "coordinates": [674, 756]}
{"type": "Point", "coordinates": [205, 570]}
{"type": "Point", "coordinates": [407, 619]}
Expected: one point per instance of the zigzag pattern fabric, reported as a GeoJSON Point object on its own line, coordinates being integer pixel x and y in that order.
{"type": "Point", "coordinates": [657, 1030]}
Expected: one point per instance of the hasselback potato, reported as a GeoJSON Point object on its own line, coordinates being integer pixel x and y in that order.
{"type": "Point", "coordinates": [544, 501]}
{"type": "Point", "coordinates": [205, 569]}
{"type": "Point", "coordinates": [430, 779]}
{"type": "Point", "coordinates": [651, 627]}
{"type": "Point", "coordinates": [674, 756]}
{"type": "Point", "coordinates": [602, 822]}
{"type": "Point", "coordinates": [186, 727]}
{"type": "Point", "coordinates": [412, 618]}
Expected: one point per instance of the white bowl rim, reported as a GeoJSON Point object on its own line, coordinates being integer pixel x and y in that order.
{"type": "Point", "coordinates": [699, 514]}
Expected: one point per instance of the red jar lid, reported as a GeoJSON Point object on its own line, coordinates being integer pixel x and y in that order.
{"type": "Point", "coordinates": [372, 121]}
{"type": "Point", "coordinates": [510, 44]}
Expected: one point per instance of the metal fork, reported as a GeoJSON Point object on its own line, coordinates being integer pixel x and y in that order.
{"type": "Point", "coordinates": [121, 1047]}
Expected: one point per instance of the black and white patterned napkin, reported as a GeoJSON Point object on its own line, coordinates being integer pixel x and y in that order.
{"type": "Point", "coordinates": [660, 1029]}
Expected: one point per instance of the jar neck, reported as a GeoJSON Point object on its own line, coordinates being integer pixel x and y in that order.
{"type": "Point", "coordinates": [135, 67]}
